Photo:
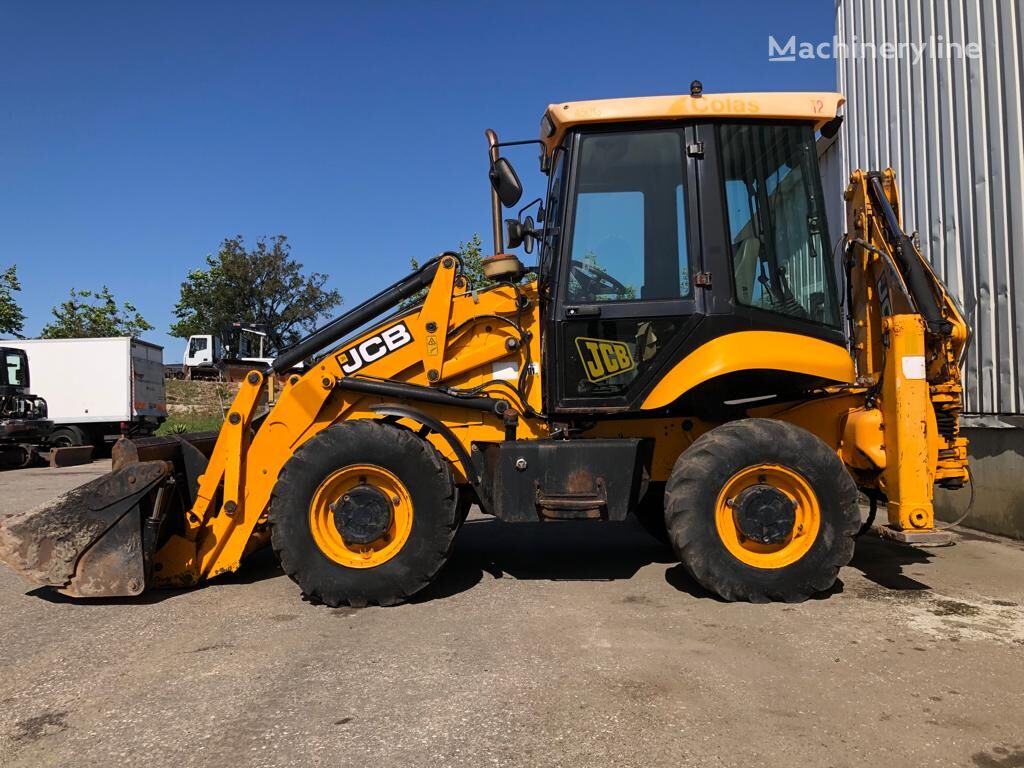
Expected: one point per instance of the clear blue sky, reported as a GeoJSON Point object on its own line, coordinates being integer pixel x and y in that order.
{"type": "Point", "coordinates": [135, 136]}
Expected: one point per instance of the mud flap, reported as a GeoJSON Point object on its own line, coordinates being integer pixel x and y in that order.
{"type": "Point", "coordinates": [88, 542]}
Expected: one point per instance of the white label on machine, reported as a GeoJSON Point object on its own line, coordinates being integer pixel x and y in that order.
{"type": "Point", "coordinates": [505, 371]}
{"type": "Point", "coordinates": [914, 367]}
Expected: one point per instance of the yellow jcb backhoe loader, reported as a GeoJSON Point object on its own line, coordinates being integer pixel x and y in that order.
{"type": "Point", "coordinates": [681, 351]}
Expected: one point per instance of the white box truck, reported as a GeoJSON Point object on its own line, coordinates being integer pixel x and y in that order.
{"type": "Point", "coordinates": [97, 389]}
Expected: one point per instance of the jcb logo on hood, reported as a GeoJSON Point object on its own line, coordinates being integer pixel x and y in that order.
{"type": "Point", "coordinates": [603, 359]}
{"type": "Point", "coordinates": [374, 348]}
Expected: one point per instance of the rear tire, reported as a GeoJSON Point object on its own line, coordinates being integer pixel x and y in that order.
{"type": "Point", "coordinates": [703, 505]}
{"type": "Point", "coordinates": [396, 466]}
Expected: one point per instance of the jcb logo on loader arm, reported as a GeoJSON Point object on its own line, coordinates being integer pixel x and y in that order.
{"type": "Point", "coordinates": [603, 359]}
{"type": "Point", "coordinates": [374, 348]}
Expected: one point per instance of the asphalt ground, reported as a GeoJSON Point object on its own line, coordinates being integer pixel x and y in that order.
{"type": "Point", "coordinates": [538, 645]}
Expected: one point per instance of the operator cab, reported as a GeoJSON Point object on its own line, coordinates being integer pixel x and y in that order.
{"type": "Point", "coordinates": [670, 226]}
{"type": "Point", "coordinates": [23, 422]}
{"type": "Point", "coordinates": [14, 376]}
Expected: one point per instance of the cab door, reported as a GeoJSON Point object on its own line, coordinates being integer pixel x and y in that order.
{"type": "Point", "coordinates": [628, 263]}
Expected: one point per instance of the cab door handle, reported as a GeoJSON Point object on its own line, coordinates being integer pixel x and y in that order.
{"type": "Point", "coordinates": [584, 311]}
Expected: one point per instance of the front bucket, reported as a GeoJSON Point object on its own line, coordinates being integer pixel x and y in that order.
{"type": "Point", "coordinates": [88, 542]}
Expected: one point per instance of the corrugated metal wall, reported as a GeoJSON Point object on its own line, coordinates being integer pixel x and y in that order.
{"type": "Point", "coordinates": [952, 129]}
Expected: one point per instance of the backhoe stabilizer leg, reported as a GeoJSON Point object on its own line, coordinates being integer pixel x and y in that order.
{"type": "Point", "coordinates": [911, 433]}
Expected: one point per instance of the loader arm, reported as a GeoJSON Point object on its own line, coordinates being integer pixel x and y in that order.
{"type": "Point", "coordinates": [908, 338]}
{"type": "Point", "coordinates": [431, 368]}
{"type": "Point", "coordinates": [425, 359]}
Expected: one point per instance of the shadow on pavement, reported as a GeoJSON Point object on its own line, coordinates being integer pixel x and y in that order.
{"type": "Point", "coordinates": [258, 566]}
{"type": "Point", "coordinates": [563, 551]}
{"type": "Point", "coordinates": [557, 551]}
{"type": "Point", "coordinates": [883, 562]}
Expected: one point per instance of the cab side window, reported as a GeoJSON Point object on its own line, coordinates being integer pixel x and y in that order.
{"type": "Point", "coordinates": [780, 248]}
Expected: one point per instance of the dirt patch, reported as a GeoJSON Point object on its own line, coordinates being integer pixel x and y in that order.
{"type": "Point", "coordinates": [955, 608]}
{"type": "Point", "coordinates": [214, 647]}
{"type": "Point", "coordinates": [1000, 757]}
{"type": "Point", "coordinates": [32, 729]}
{"type": "Point", "coordinates": [943, 618]}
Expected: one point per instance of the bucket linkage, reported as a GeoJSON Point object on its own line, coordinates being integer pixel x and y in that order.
{"type": "Point", "coordinates": [98, 540]}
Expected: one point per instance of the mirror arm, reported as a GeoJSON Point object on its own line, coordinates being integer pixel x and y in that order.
{"type": "Point", "coordinates": [528, 206]}
{"type": "Point", "coordinates": [492, 149]}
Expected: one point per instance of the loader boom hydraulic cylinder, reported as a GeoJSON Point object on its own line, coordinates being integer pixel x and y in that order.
{"type": "Point", "coordinates": [373, 307]}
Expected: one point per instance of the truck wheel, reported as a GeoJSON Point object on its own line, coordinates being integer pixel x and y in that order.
{"type": "Point", "coordinates": [364, 513]}
{"type": "Point", "coordinates": [65, 437]}
{"type": "Point", "coordinates": [762, 510]}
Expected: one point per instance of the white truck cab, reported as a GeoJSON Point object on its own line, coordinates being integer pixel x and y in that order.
{"type": "Point", "coordinates": [212, 357]}
{"type": "Point", "coordinates": [202, 352]}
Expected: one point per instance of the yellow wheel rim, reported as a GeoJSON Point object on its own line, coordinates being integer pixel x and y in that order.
{"type": "Point", "coordinates": [325, 531]}
{"type": "Point", "coordinates": [805, 527]}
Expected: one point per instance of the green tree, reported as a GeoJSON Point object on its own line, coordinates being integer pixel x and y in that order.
{"type": "Point", "coordinates": [12, 319]}
{"type": "Point", "coordinates": [93, 314]}
{"type": "Point", "coordinates": [472, 253]}
{"type": "Point", "coordinates": [263, 286]}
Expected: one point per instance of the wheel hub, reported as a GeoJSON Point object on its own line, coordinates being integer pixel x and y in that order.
{"type": "Point", "coordinates": [764, 514]}
{"type": "Point", "coordinates": [362, 515]}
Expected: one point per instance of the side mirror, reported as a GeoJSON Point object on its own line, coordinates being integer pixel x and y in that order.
{"type": "Point", "coordinates": [520, 233]}
{"type": "Point", "coordinates": [528, 235]}
{"type": "Point", "coordinates": [831, 128]}
{"type": "Point", "coordinates": [505, 182]}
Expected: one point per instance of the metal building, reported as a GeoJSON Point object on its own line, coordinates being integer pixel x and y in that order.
{"type": "Point", "coordinates": [950, 123]}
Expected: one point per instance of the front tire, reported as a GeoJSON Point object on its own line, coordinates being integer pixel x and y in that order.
{"type": "Point", "coordinates": [364, 513]}
{"type": "Point", "coordinates": [68, 437]}
{"type": "Point", "coordinates": [760, 510]}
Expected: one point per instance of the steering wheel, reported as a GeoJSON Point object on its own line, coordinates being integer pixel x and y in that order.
{"type": "Point", "coordinates": [594, 281]}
